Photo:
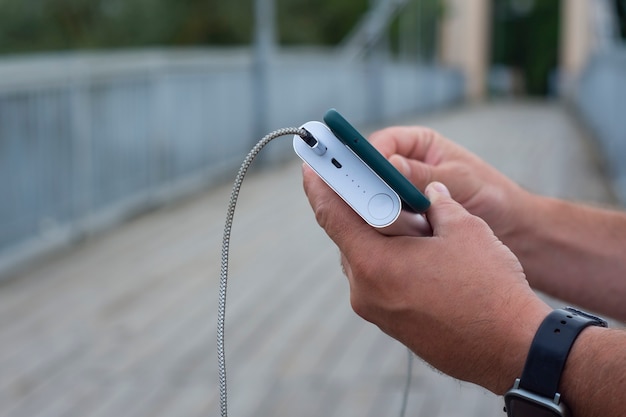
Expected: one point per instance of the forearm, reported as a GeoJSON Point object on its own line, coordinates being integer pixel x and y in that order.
{"type": "Point", "coordinates": [574, 252]}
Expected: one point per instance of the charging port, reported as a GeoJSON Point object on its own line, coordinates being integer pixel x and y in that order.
{"type": "Point", "coordinates": [317, 146]}
{"type": "Point", "coordinates": [336, 163]}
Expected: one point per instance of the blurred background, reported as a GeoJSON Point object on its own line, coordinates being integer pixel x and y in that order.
{"type": "Point", "coordinates": [112, 109]}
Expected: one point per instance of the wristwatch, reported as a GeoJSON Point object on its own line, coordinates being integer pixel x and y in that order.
{"type": "Point", "coordinates": [535, 393]}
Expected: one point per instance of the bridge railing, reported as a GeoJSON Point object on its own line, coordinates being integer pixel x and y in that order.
{"type": "Point", "coordinates": [601, 100]}
{"type": "Point", "coordinates": [88, 139]}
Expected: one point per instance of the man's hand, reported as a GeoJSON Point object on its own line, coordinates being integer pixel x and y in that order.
{"type": "Point", "coordinates": [458, 299]}
{"type": "Point", "coordinates": [424, 156]}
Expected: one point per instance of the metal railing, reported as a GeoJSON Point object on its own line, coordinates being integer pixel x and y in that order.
{"type": "Point", "coordinates": [88, 139]}
{"type": "Point", "coordinates": [601, 100]}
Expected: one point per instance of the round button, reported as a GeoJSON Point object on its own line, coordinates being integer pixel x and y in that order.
{"type": "Point", "coordinates": [380, 206]}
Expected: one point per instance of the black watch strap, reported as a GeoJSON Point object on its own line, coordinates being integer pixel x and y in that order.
{"type": "Point", "coordinates": [550, 348]}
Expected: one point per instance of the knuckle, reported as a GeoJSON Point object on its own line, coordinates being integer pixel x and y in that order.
{"type": "Point", "coordinates": [470, 225]}
{"type": "Point", "coordinates": [321, 211]}
{"type": "Point", "coordinates": [358, 306]}
{"type": "Point", "coordinates": [366, 268]}
{"type": "Point", "coordinates": [475, 224]}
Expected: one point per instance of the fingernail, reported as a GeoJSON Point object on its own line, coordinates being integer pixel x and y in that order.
{"type": "Point", "coordinates": [406, 168]}
{"type": "Point", "coordinates": [402, 165]}
{"type": "Point", "coordinates": [437, 187]}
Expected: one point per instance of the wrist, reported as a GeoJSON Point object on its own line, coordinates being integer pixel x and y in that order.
{"type": "Point", "coordinates": [539, 389]}
{"type": "Point", "coordinates": [519, 339]}
{"type": "Point", "coordinates": [590, 381]}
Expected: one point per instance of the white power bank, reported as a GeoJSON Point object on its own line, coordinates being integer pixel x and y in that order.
{"type": "Point", "coordinates": [357, 184]}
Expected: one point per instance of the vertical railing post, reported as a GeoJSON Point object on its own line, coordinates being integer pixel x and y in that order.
{"type": "Point", "coordinates": [264, 50]}
{"type": "Point", "coordinates": [376, 58]}
{"type": "Point", "coordinates": [82, 143]}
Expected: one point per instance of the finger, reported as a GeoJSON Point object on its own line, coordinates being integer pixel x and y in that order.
{"type": "Point", "coordinates": [417, 172]}
{"type": "Point", "coordinates": [401, 164]}
{"type": "Point", "coordinates": [414, 142]}
{"type": "Point", "coordinates": [334, 215]}
{"type": "Point", "coordinates": [444, 213]}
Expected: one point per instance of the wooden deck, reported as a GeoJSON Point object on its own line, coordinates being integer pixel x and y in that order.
{"type": "Point", "coordinates": [124, 324]}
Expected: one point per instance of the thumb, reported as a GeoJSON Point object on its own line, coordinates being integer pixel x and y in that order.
{"type": "Point", "coordinates": [444, 212]}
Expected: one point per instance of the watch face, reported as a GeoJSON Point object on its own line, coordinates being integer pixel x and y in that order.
{"type": "Point", "coordinates": [522, 407]}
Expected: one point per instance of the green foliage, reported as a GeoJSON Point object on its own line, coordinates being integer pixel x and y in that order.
{"type": "Point", "coordinates": [32, 25]}
{"type": "Point", "coordinates": [39, 25]}
{"type": "Point", "coordinates": [317, 21]}
{"type": "Point", "coordinates": [414, 32]}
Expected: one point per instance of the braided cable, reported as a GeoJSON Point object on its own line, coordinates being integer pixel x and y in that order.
{"type": "Point", "coordinates": [221, 314]}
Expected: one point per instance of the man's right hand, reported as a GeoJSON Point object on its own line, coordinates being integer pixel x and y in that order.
{"type": "Point", "coordinates": [424, 156]}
